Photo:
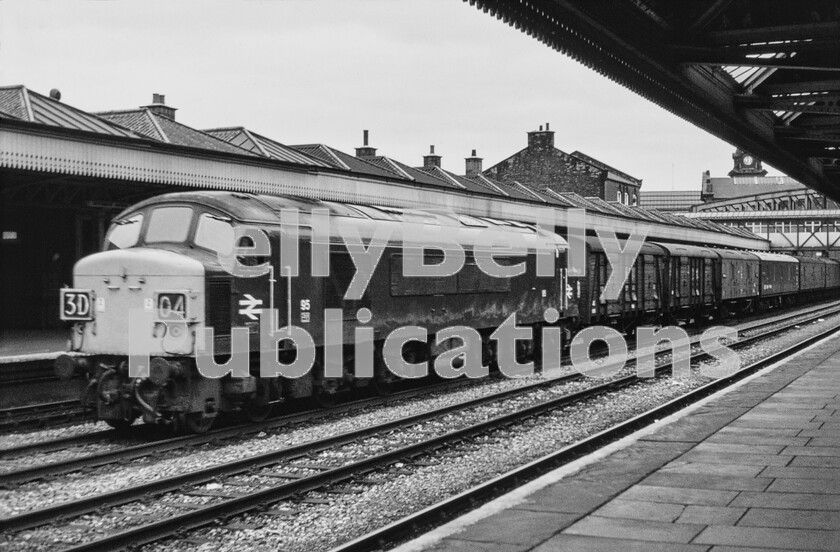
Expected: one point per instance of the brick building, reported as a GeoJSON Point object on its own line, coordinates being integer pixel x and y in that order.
{"type": "Point", "coordinates": [541, 165]}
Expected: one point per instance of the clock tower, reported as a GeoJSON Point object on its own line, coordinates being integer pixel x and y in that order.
{"type": "Point", "coordinates": [746, 165]}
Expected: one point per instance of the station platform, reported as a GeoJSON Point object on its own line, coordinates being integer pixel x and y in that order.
{"type": "Point", "coordinates": [754, 467]}
{"type": "Point", "coordinates": [26, 345]}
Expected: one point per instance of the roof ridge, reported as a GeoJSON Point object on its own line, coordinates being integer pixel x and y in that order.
{"type": "Point", "coordinates": [449, 177]}
{"type": "Point", "coordinates": [480, 178]}
{"type": "Point", "coordinates": [557, 197]}
{"type": "Point", "coordinates": [328, 151]}
{"type": "Point", "coordinates": [219, 129]}
{"type": "Point", "coordinates": [188, 127]}
{"type": "Point", "coordinates": [114, 111]}
{"type": "Point", "coordinates": [24, 94]}
{"type": "Point", "coordinates": [396, 165]}
{"type": "Point", "coordinates": [155, 123]}
{"type": "Point", "coordinates": [432, 172]}
{"type": "Point", "coordinates": [332, 154]}
{"type": "Point", "coordinates": [529, 191]}
{"type": "Point", "coordinates": [253, 137]}
{"type": "Point", "coordinates": [392, 166]}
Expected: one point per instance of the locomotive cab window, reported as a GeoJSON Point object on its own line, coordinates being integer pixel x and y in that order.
{"type": "Point", "coordinates": [214, 233]}
{"type": "Point", "coordinates": [124, 233]}
{"type": "Point", "coordinates": [249, 260]}
{"type": "Point", "coordinates": [169, 224]}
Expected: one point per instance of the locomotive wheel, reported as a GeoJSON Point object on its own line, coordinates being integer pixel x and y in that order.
{"type": "Point", "coordinates": [323, 398]}
{"type": "Point", "coordinates": [121, 425]}
{"type": "Point", "coordinates": [257, 412]}
{"type": "Point", "coordinates": [194, 422]}
{"type": "Point", "coordinates": [383, 385]}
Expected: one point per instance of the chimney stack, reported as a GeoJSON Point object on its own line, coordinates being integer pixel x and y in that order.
{"type": "Point", "coordinates": [159, 107]}
{"type": "Point", "coordinates": [541, 139]}
{"type": "Point", "coordinates": [431, 160]}
{"type": "Point", "coordinates": [473, 164]}
{"type": "Point", "coordinates": [365, 150]}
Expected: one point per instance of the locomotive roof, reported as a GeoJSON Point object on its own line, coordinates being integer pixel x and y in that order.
{"type": "Point", "coordinates": [243, 207]}
{"type": "Point", "coordinates": [265, 209]}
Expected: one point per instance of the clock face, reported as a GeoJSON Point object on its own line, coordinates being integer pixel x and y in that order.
{"type": "Point", "coordinates": [748, 160]}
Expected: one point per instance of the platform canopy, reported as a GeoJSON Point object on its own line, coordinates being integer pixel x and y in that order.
{"type": "Point", "coordinates": [764, 76]}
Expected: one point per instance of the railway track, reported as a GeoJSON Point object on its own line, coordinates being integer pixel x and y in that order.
{"type": "Point", "coordinates": [64, 412]}
{"type": "Point", "coordinates": [44, 400]}
{"type": "Point", "coordinates": [255, 482]}
{"type": "Point", "coordinates": [160, 445]}
{"type": "Point", "coordinates": [41, 415]}
{"type": "Point", "coordinates": [26, 371]}
{"type": "Point", "coordinates": [55, 413]}
{"type": "Point", "coordinates": [470, 499]}
{"type": "Point", "coordinates": [154, 444]}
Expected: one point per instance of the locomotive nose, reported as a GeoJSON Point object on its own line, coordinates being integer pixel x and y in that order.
{"type": "Point", "coordinates": [137, 263]}
{"type": "Point", "coordinates": [163, 286]}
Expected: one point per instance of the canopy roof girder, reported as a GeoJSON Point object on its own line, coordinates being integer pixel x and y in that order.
{"type": "Point", "coordinates": [731, 68]}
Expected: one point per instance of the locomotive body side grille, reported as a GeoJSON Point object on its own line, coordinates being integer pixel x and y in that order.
{"type": "Point", "coordinates": [218, 314]}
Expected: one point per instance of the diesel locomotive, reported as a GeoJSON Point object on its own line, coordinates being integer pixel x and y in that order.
{"type": "Point", "coordinates": [177, 265]}
{"type": "Point", "coordinates": [165, 276]}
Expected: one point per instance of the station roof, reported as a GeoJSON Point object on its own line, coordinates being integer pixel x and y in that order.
{"type": "Point", "coordinates": [669, 200]}
{"type": "Point", "coordinates": [499, 187]}
{"type": "Point", "coordinates": [159, 127]}
{"type": "Point", "coordinates": [103, 148]}
{"type": "Point", "coordinates": [18, 102]}
{"type": "Point", "coordinates": [457, 181]}
{"type": "Point", "coordinates": [260, 145]}
{"type": "Point", "coordinates": [809, 214]}
{"type": "Point", "coordinates": [340, 160]}
{"type": "Point", "coordinates": [605, 206]}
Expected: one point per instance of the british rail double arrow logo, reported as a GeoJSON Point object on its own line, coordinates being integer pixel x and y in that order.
{"type": "Point", "coordinates": [251, 306]}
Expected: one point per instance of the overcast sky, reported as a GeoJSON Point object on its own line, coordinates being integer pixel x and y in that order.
{"type": "Point", "coordinates": [414, 72]}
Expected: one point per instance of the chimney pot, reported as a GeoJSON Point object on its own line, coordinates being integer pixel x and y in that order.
{"type": "Point", "coordinates": [430, 161]}
{"type": "Point", "coordinates": [159, 99]}
{"type": "Point", "coordinates": [541, 139]}
{"type": "Point", "coordinates": [55, 94]}
{"type": "Point", "coordinates": [365, 150]}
